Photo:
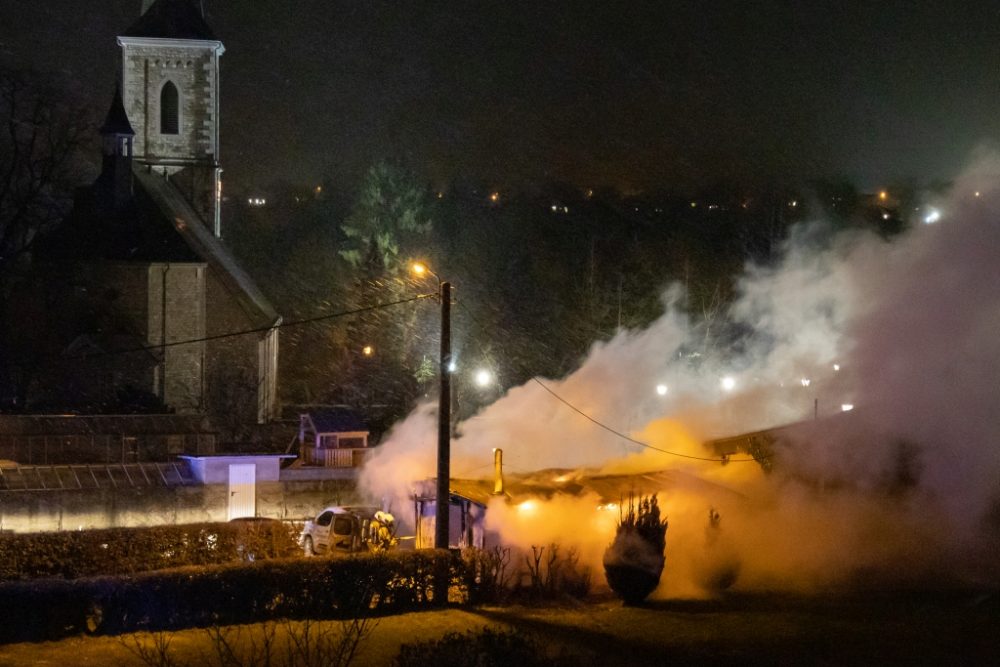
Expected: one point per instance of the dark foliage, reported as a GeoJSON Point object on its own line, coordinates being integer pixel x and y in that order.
{"type": "Point", "coordinates": [634, 561]}
{"type": "Point", "coordinates": [553, 575]}
{"type": "Point", "coordinates": [114, 551]}
{"type": "Point", "coordinates": [315, 588]}
{"type": "Point", "coordinates": [486, 574]}
{"type": "Point", "coordinates": [632, 584]}
{"type": "Point", "coordinates": [45, 131]}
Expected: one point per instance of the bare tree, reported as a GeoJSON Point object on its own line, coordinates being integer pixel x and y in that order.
{"type": "Point", "coordinates": [43, 142]}
{"type": "Point", "coordinates": [41, 145]}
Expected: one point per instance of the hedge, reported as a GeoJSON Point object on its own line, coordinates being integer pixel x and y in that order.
{"type": "Point", "coordinates": [118, 551]}
{"type": "Point", "coordinates": [316, 588]}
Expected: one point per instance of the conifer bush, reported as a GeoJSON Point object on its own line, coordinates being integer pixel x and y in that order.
{"type": "Point", "coordinates": [634, 560]}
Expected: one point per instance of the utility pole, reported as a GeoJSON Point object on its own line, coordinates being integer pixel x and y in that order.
{"type": "Point", "coordinates": [443, 505]}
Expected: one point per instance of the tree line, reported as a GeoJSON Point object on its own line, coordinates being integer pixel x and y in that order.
{"type": "Point", "coordinates": [541, 270]}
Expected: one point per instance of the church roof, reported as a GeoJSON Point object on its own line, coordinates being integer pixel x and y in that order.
{"type": "Point", "coordinates": [189, 226]}
{"type": "Point", "coordinates": [137, 232]}
{"type": "Point", "coordinates": [171, 19]}
{"type": "Point", "coordinates": [117, 120]}
{"type": "Point", "coordinates": [158, 226]}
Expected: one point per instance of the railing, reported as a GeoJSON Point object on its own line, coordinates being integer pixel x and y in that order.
{"type": "Point", "coordinates": [334, 458]}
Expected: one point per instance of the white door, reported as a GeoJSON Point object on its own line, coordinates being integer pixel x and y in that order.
{"type": "Point", "coordinates": [242, 492]}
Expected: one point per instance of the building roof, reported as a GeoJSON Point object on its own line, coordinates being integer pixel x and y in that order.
{"type": "Point", "coordinates": [209, 249]}
{"type": "Point", "coordinates": [340, 419]}
{"type": "Point", "coordinates": [171, 19]}
{"type": "Point", "coordinates": [117, 120]}
{"type": "Point", "coordinates": [545, 484]}
{"type": "Point", "coordinates": [139, 231]}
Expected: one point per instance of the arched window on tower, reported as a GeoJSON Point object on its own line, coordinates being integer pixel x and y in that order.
{"type": "Point", "coordinates": [169, 109]}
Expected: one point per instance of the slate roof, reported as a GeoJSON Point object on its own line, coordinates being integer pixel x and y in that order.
{"type": "Point", "coordinates": [190, 228]}
{"type": "Point", "coordinates": [336, 420]}
{"type": "Point", "coordinates": [116, 121]}
{"type": "Point", "coordinates": [171, 19]}
{"type": "Point", "coordinates": [157, 225]}
{"type": "Point", "coordinates": [138, 232]}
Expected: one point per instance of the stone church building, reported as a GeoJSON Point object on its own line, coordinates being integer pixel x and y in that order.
{"type": "Point", "coordinates": [143, 302]}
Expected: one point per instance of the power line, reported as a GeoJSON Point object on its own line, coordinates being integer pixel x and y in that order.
{"type": "Point", "coordinates": [633, 440]}
{"type": "Point", "coordinates": [244, 332]}
{"type": "Point", "coordinates": [724, 459]}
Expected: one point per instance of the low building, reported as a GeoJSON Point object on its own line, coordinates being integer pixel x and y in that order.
{"type": "Point", "coordinates": [470, 499]}
{"type": "Point", "coordinates": [333, 437]}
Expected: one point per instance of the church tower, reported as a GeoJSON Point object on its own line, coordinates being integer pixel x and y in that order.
{"type": "Point", "coordinates": [170, 90]}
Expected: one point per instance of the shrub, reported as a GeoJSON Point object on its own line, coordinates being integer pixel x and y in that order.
{"type": "Point", "coordinates": [316, 588]}
{"type": "Point", "coordinates": [554, 575]}
{"type": "Point", "coordinates": [118, 551]}
{"type": "Point", "coordinates": [634, 561]}
{"type": "Point", "coordinates": [486, 574]}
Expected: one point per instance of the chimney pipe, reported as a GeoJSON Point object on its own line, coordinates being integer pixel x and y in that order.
{"type": "Point", "coordinates": [497, 472]}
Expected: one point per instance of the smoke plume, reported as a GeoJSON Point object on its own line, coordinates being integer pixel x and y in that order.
{"type": "Point", "coordinates": [903, 487]}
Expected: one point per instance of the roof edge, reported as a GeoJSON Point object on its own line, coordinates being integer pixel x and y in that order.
{"type": "Point", "coordinates": [125, 40]}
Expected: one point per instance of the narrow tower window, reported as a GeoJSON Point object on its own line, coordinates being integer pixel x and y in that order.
{"type": "Point", "coordinates": [169, 123]}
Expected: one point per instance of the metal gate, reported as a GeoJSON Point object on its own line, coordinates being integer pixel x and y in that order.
{"type": "Point", "coordinates": [242, 491]}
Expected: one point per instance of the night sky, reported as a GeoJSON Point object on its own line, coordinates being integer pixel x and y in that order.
{"type": "Point", "coordinates": [637, 95]}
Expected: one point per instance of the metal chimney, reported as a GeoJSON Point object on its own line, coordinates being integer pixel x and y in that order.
{"type": "Point", "coordinates": [497, 472]}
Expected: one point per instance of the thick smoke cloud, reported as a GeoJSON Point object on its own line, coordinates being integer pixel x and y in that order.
{"type": "Point", "coordinates": [906, 330]}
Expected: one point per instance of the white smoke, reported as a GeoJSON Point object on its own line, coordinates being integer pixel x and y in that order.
{"type": "Point", "coordinates": [907, 330]}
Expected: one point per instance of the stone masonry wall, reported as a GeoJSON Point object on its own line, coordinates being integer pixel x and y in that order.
{"type": "Point", "coordinates": [192, 69]}
{"type": "Point", "coordinates": [178, 292]}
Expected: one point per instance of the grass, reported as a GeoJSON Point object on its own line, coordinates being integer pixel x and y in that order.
{"type": "Point", "coordinates": [900, 628]}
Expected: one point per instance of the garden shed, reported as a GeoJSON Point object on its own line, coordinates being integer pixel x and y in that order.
{"type": "Point", "coordinates": [333, 437]}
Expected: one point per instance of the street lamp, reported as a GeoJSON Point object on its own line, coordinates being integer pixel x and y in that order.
{"type": "Point", "coordinates": [443, 495]}
{"type": "Point", "coordinates": [483, 378]}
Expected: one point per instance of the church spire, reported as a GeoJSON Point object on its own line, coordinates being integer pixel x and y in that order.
{"type": "Point", "coordinates": [117, 138]}
{"type": "Point", "coordinates": [171, 19]}
{"type": "Point", "coordinates": [146, 4]}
